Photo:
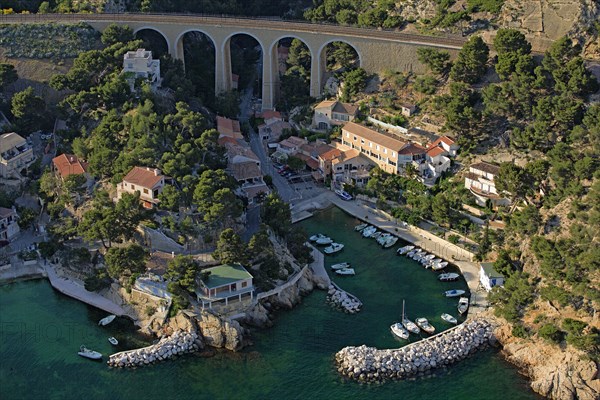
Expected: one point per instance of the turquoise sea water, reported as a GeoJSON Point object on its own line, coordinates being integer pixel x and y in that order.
{"type": "Point", "coordinates": [41, 330]}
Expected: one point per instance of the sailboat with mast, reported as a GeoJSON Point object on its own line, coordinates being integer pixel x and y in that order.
{"type": "Point", "coordinates": [408, 324]}
{"type": "Point", "coordinates": [397, 328]}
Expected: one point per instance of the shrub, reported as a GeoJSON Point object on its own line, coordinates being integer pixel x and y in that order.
{"type": "Point", "coordinates": [518, 330]}
{"type": "Point", "coordinates": [551, 333]}
{"type": "Point", "coordinates": [150, 310]}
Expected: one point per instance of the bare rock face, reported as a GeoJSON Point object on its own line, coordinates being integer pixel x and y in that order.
{"type": "Point", "coordinates": [258, 316]}
{"type": "Point", "coordinates": [219, 332]}
{"type": "Point", "coordinates": [561, 374]}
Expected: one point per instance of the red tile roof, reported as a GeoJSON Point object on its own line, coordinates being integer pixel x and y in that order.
{"type": "Point", "coordinates": [441, 139]}
{"type": "Point", "coordinates": [330, 155]}
{"type": "Point", "coordinates": [374, 136]}
{"type": "Point", "coordinates": [268, 114]}
{"type": "Point", "coordinates": [412, 148]}
{"type": "Point", "coordinates": [229, 127]}
{"type": "Point", "coordinates": [143, 176]}
{"type": "Point", "coordinates": [69, 164]}
{"type": "Point", "coordinates": [435, 151]}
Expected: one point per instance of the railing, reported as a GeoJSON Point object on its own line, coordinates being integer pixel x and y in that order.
{"type": "Point", "coordinates": [286, 285]}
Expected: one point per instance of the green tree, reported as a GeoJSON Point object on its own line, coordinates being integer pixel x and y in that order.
{"type": "Point", "coordinates": [44, 8]}
{"type": "Point", "coordinates": [8, 75]}
{"type": "Point", "coordinates": [511, 179]}
{"type": "Point", "coordinates": [436, 60]}
{"type": "Point", "coordinates": [116, 34]}
{"type": "Point", "coordinates": [426, 84]}
{"type": "Point", "coordinates": [230, 249]}
{"type": "Point", "coordinates": [183, 271]}
{"type": "Point", "coordinates": [169, 198]}
{"type": "Point", "coordinates": [513, 49]}
{"type": "Point", "coordinates": [228, 104]}
{"type": "Point", "coordinates": [355, 82]}
{"type": "Point", "coordinates": [126, 261]}
{"type": "Point", "coordinates": [276, 214]}
{"type": "Point", "coordinates": [29, 110]}
{"type": "Point", "coordinates": [295, 163]}
{"type": "Point", "coordinates": [470, 65]}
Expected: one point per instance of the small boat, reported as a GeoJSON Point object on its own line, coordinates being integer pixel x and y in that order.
{"type": "Point", "coordinates": [340, 266]}
{"type": "Point", "coordinates": [87, 353]}
{"type": "Point", "coordinates": [324, 240]}
{"type": "Point", "coordinates": [427, 258]}
{"type": "Point", "coordinates": [107, 320]}
{"type": "Point", "coordinates": [113, 341]}
{"type": "Point", "coordinates": [405, 249]}
{"type": "Point", "coordinates": [454, 293]}
{"type": "Point", "coordinates": [375, 235]}
{"type": "Point", "coordinates": [408, 324]}
{"type": "Point", "coordinates": [360, 227]}
{"type": "Point", "coordinates": [343, 195]}
{"type": "Point", "coordinates": [316, 237]}
{"type": "Point", "coordinates": [463, 305]}
{"type": "Point", "coordinates": [345, 271]}
{"type": "Point", "coordinates": [399, 331]}
{"type": "Point", "coordinates": [425, 325]}
{"type": "Point", "coordinates": [448, 277]}
{"type": "Point", "coordinates": [449, 318]}
{"type": "Point", "coordinates": [390, 242]}
{"type": "Point", "coordinates": [430, 263]}
{"type": "Point", "coordinates": [412, 252]}
{"type": "Point", "coordinates": [383, 238]}
{"type": "Point", "coordinates": [334, 248]}
{"type": "Point", "coordinates": [368, 231]}
{"type": "Point", "coordinates": [418, 256]}
{"type": "Point", "coordinates": [439, 266]}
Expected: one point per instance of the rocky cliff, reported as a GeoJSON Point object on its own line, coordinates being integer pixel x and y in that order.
{"type": "Point", "coordinates": [558, 373]}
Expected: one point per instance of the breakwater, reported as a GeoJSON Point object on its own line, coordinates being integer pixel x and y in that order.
{"type": "Point", "coordinates": [368, 364]}
{"type": "Point", "coordinates": [343, 300]}
{"type": "Point", "coordinates": [178, 343]}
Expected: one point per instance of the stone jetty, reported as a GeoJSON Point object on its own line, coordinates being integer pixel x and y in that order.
{"type": "Point", "coordinates": [368, 364]}
{"type": "Point", "coordinates": [178, 343]}
{"type": "Point", "coordinates": [343, 300]}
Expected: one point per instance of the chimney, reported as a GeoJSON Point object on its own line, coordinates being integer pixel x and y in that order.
{"type": "Point", "coordinates": [71, 159]}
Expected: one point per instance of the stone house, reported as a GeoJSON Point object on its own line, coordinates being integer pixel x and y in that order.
{"type": "Point", "coordinates": [332, 112]}
{"type": "Point", "coordinates": [291, 145]}
{"type": "Point", "coordinates": [352, 168]}
{"type": "Point", "coordinates": [15, 155]}
{"type": "Point", "coordinates": [229, 128]}
{"type": "Point", "coordinates": [9, 228]}
{"type": "Point", "coordinates": [148, 182]}
{"type": "Point", "coordinates": [480, 182]}
{"type": "Point", "coordinates": [408, 109]}
{"type": "Point", "coordinates": [244, 165]}
{"type": "Point", "coordinates": [140, 64]}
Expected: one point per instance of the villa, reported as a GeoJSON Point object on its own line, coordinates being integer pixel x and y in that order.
{"type": "Point", "coordinates": [139, 64]}
{"type": "Point", "coordinates": [223, 283]}
{"type": "Point", "coordinates": [352, 168]}
{"type": "Point", "coordinates": [332, 112]}
{"type": "Point", "coordinates": [244, 165]}
{"type": "Point", "coordinates": [489, 277]}
{"type": "Point", "coordinates": [228, 128]}
{"type": "Point", "coordinates": [15, 155]}
{"type": "Point", "coordinates": [148, 182]}
{"type": "Point", "coordinates": [8, 224]}
{"type": "Point", "coordinates": [66, 165]}
{"type": "Point", "coordinates": [480, 181]}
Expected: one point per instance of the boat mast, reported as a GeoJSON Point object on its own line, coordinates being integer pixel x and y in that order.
{"type": "Point", "coordinates": [402, 311]}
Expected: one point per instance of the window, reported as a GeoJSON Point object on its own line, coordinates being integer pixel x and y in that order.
{"type": "Point", "coordinates": [391, 163]}
{"type": "Point", "coordinates": [145, 191]}
{"type": "Point", "coordinates": [393, 154]}
{"type": "Point", "coordinates": [384, 151]}
{"type": "Point", "coordinates": [362, 141]}
{"type": "Point", "coordinates": [347, 134]}
{"type": "Point", "coordinates": [377, 147]}
{"type": "Point", "coordinates": [370, 144]}
{"type": "Point", "coordinates": [244, 284]}
{"type": "Point", "coordinates": [354, 137]}
{"type": "Point", "coordinates": [132, 186]}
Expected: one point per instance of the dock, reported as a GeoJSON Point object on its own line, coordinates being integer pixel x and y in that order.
{"type": "Point", "coordinates": [318, 266]}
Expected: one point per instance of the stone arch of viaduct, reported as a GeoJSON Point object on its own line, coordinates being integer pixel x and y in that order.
{"type": "Point", "coordinates": [378, 50]}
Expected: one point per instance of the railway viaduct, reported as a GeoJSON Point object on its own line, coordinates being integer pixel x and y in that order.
{"type": "Point", "coordinates": [378, 50]}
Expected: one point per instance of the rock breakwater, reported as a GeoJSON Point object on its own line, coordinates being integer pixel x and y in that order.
{"type": "Point", "coordinates": [343, 300]}
{"type": "Point", "coordinates": [178, 343]}
{"type": "Point", "coordinates": [368, 364]}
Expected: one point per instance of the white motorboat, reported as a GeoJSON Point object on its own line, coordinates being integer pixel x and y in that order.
{"type": "Point", "coordinates": [405, 249]}
{"type": "Point", "coordinates": [340, 266]}
{"type": "Point", "coordinates": [419, 255]}
{"type": "Point", "coordinates": [454, 293]}
{"type": "Point", "coordinates": [439, 266]}
{"type": "Point", "coordinates": [113, 341]}
{"type": "Point", "coordinates": [334, 248]}
{"type": "Point", "coordinates": [412, 252]}
{"type": "Point", "coordinates": [425, 325]}
{"type": "Point", "coordinates": [390, 242]}
{"type": "Point", "coordinates": [410, 326]}
{"type": "Point", "coordinates": [383, 238]}
{"type": "Point", "coordinates": [375, 235]}
{"type": "Point", "coordinates": [399, 331]}
{"type": "Point", "coordinates": [107, 320]}
{"type": "Point", "coordinates": [449, 318]}
{"type": "Point", "coordinates": [452, 276]}
{"type": "Point", "coordinates": [345, 271]}
{"type": "Point", "coordinates": [343, 195]}
{"type": "Point", "coordinates": [360, 227]}
{"type": "Point", "coordinates": [430, 263]}
{"type": "Point", "coordinates": [87, 353]}
{"type": "Point", "coordinates": [324, 240]}
{"type": "Point", "coordinates": [368, 231]}
{"type": "Point", "coordinates": [316, 237]}
{"type": "Point", "coordinates": [427, 258]}
{"type": "Point", "coordinates": [463, 305]}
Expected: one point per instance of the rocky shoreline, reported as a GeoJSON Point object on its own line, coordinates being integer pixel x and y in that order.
{"type": "Point", "coordinates": [343, 300]}
{"type": "Point", "coordinates": [368, 364]}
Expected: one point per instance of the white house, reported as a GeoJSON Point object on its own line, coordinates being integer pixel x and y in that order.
{"type": "Point", "coordinates": [291, 145]}
{"type": "Point", "coordinates": [446, 143]}
{"type": "Point", "coordinates": [149, 182]}
{"type": "Point", "coordinates": [140, 64]}
{"type": "Point", "coordinates": [480, 181]}
{"type": "Point", "coordinates": [489, 277]}
{"type": "Point", "coordinates": [8, 224]}
{"type": "Point", "coordinates": [223, 283]}
{"type": "Point", "coordinates": [15, 155]}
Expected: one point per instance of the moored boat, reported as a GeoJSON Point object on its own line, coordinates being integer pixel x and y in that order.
{"type": "Point", "coordinates": [452, 276]}
{"type": "Point", "coordinates": [383, 238]}
{"type": "Point", "coordinates": [419, 255]}
{"type": "Point", "coordinates": [375, 235]}
{"type": "Point", "coordinates": [340, 266]}
{"type": "Point", "coordinates": [399, 331]}
{"type": "Point", "coordinates": [405, 249]}
{"type": "Point", "coordinates": [431, 263]}
{"type": "Point", "coordinates": [410, 326]}
{"type": "Point", "coordinates": [107, 320]}
{"type": "Point", "coordinates": [324, 240]}
{"type": "Point", "coordinates": [425, 325]}
{"type": "Point", "coordinates": [87, 353]}
{"type": "Point", "coordinates": [334, 248]}
{"type": "Point", "coordinates": [316, 237]}
{"type": "Point", "coordinates": [449, 318]}
{"type": "Point", "coordinates": [113, 341]}
{"type": "Point", "coordinates": [390, 242]}
{"type": "Point", "coordinates": [360, 227]}
{"type": "Point", "coordinates": [439, 266]}
{"type": "Point", "coordinates": [454, 293]}
{"type": "Point", "coordinates": [463, 305]}
{"type": "Point", "coordinates": [368, 231]}
{"type": "Point", "coordinates": [427, 258]}
{"type": "Point", "coordinates": [345, 271]}
{"type": "Point", "coordinates": [343, 195]}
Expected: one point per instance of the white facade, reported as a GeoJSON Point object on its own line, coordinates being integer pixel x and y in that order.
{"type": "Point", "coordinates": [8, 224]}
{"type": "Point", "coordinates": [140, 64]}
{"type": "Point", "coordinates": [480, 181]}
{"type": "Point", "coordinates": [15, 155]}
{"type": "Point", "coordinates": [488, 277]}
